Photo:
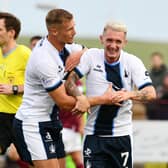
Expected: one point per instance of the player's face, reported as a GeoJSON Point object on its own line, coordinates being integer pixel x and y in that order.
{"type": "Point", "coordinates": [156, 61]}
{"type": "Point", "coordinates": [67, 32]}
{"type": "Point", "coordinates": [33, 43]}
{"type": "Point", "coordinates": [4, 35]}
{"type": "Point", "coordinates": [113, 42]}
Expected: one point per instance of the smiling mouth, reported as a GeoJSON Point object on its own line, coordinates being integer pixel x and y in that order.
{"type": "Point", "coordinates": [112, 52]}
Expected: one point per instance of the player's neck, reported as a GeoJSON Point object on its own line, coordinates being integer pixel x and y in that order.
{"type": "Point", "coordinates": [9, 47]}
{"type": "Point", "coordinates": [59, 46]}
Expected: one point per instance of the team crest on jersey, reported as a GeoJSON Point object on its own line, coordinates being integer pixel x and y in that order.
{"type": "Point", "coordinates": [87, 152]}
{"type": "Point", "coordinates": [146, 73]}
{"type": "Point", "coordinates": [48, 137]}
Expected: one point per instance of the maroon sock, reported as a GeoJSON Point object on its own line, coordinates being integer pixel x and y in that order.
{"type": "Point", "coordinates": [22, 164]}
{"type": "Point", "coordinates": [80, 166]}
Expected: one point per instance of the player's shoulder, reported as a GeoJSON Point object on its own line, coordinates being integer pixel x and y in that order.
{"type": "Point", "coordinates": [129, 57]}
{"type": "Point", "coordinates": [95, 52]}
{"type": "Point", "coordinates": [44, 50]}
{"type": "Point", "coordinates": [74, 47]}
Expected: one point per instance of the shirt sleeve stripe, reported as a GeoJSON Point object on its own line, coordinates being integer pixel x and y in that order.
{"type": "Point", "coordinates": [144, 85]}
{"type": "Point", "coordinates": [49, 89]}
{"type": "Point", "coordinates": [78, 72]}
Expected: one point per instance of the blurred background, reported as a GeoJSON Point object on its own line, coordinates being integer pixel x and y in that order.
{"type": "Point", "coordinates": [147, 33]}
{"type": "Point", "coordinates": [146, 21]}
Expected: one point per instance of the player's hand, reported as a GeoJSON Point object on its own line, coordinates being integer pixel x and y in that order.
{"type": "Point", "coordinates": [72, 61]}
{"type": "Point", "coordinates": [112, 97]}
{"type": "Point", "coordinates": [82, 105]}
{"type": "Point", "coordinates": [124, 94]}
{"type": "Point", "coordinates": [6, 89]}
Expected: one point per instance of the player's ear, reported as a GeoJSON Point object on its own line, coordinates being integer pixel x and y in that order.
{"type": "Point", "coordinates": [53, 31]}
{"type": "Point", "coordinates": [125, 42]}
{"type": "Point", "coordinates": [12, 33]}
{"type": "Point", "coordinates": [101, 39]}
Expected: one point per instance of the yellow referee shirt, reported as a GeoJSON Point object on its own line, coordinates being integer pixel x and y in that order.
{"type": "Point", "coordinates": [12, 69]}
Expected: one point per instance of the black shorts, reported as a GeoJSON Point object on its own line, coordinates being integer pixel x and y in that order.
{"type": "Point", "coordinates": [107, 152]}
{"type": "Point", "coordinates": [6, 130]}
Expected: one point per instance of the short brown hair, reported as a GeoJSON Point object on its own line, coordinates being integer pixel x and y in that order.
{"type": "Point", "coordinates": [57, 17]}
{"type": "Point", "coordinates": [11, 22]}
{"type": "Point", "coordinates": [158, 54]}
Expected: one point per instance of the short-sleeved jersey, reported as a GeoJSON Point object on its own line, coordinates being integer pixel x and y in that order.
{"type": "Point", "coordinates": [44, 73]}
{"type": "Point", "coordinates": [127, 72]}
{"type": "Point", "coordinates": [12, 70]}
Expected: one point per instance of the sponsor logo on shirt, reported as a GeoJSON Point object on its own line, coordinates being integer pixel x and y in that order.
{"type": "Point", "coordinates": [47, 81]}
{"type": "Point", "coordinates": [98, 68]}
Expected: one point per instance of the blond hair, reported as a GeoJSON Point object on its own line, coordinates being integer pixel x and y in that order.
{"type": "Point", "coordinates": [116, 26]}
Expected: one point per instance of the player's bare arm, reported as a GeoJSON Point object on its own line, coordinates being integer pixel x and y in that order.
{"type": "Point", "coordinates": [146, 94]}
{"type": "Point", "coordinates": [109, 97]}
{"type": "Point", "coordinates": [73, 60]}
{"type": "Point", "coordinates": [70, 85]}
{"type": "Point", "coordinates": [73, 90]}
{"type": "Point", "coordinates": [62, 99]}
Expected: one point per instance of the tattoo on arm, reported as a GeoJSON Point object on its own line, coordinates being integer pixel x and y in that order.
{"type": "Point", "coordinates": [141, 95]}
{"type": "Point", "coordinates": [71, 86]}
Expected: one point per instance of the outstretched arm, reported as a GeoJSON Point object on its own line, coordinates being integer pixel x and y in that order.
{"type": "Point", "coordinates": [109, 97]}
{"type": "Point", "coordinates": [73, 60]}
{"type": "Point", "coordinates": [146, 94]}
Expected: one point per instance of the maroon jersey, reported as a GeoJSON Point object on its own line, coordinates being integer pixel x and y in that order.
{"type": "Point", "coordinates": [68, 119]}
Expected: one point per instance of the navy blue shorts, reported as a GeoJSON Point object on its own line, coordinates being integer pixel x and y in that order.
{"type": "Point", "coordinates": [38, 141]}
{"type": "Point", "coordinates": [107, 152]}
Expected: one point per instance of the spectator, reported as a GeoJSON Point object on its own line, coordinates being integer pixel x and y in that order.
{"type": "Point", "coordinates": [157, 74]}
{"type": "Point", "coordinates": [158, 109]}
{"type": "Point", "coordinates": [34, 40]}
{"type": "Point", "coordinates": [158, 71]}
{"type": "Point", "coordinates": [164, 93]}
